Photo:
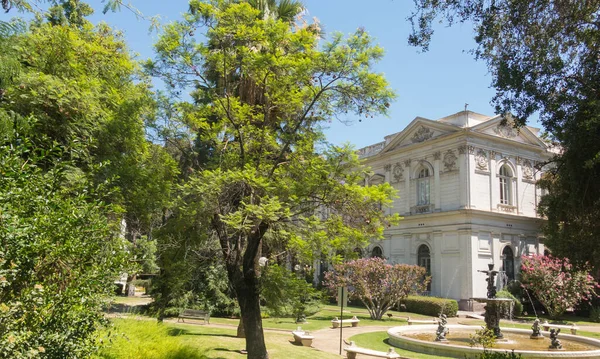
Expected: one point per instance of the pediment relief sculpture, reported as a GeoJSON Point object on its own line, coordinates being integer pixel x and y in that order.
{"type": "Point", "coordinates": [450, 161]}
{"type": "Point", "coordinates": [481, 160]}
{"type": "Point", "coordinates": [505, 130]}
{"type": "Point", "coordinates": [422, 134]}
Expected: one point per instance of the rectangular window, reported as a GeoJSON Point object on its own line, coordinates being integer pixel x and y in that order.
{"type": "Point", "coordinates": [423, 192]}
{"type": "Point", "coordinates": [504, 191]}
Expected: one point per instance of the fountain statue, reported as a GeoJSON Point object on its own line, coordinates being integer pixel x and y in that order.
{"type": "Point", "coordinates": [493, 305]}
{"type": "Point", "coordinates": [442, 330]}
{"type": "Point", "coordinates": [555, 343]}
{"type": "Point", "coordinates": [536, 330]}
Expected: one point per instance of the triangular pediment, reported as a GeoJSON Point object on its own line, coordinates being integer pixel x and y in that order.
{"type": "Point", "coordinates": [419, 130]}
{"type": "Point", "coordinates": [505, 129]}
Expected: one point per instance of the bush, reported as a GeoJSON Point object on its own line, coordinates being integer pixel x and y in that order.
{"type": "Point", "coordinates": [557, 284]}
{"type": "Point", "coordinates": [431, 306]}
{"type": "Point", "coordinates": [595, 314]}
{"type": "Point", "coordinates": [144, 283]}
{"type": "Point", "coordinates": [517, 306]}
{"type": "Point", "coordinates": [286, 294]}
{"type": "Point", "coordinates": [380, 286]}
{"type": "Point", "coordinates": [499, 355]}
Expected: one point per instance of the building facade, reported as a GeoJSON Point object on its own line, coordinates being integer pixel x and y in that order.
{"type": "Point", "coordinates": [467, 190]}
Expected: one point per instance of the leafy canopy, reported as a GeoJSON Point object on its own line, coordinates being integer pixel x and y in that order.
{"type": "Point", "coordinates": [262, 89]}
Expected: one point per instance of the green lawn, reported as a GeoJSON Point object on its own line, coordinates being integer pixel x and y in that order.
{"type": "Point", "coordinates": [146, 339]}
{"type": "Point", "coordinates": [378, 341]}
{"type": "Point", "coordinates": [323, 319]}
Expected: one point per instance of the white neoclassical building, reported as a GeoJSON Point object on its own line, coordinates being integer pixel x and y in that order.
{"type": "Point", "coordinates": [467, 191]}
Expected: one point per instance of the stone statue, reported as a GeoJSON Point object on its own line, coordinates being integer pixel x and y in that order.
{"type": "Point", "coordinates": [442, 330]}
{"type": "Point", "coordinates": [536, 330]}
{"type": "Point", "coordinates": [555, 343]}
{"type": "Point", "coordinates": [491, 280]}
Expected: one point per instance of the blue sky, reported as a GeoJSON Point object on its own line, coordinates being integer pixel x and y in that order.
{"type": "Point", "coordinates": [431, 85]}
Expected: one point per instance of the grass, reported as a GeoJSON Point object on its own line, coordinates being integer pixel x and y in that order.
{"type": "Point", "coordinates": [146, 339]}
{"type": "Point", "coordinates": [323, 319]}
{"type": "Point", "coordinates": [378, 341]}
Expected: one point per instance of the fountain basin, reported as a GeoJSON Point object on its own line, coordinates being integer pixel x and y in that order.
{"type": "Point", "coordinates": [398, 338]}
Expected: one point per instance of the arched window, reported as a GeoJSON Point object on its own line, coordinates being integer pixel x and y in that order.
{"type": "Point", "coordinates": [423, 186]}
{"type": "Point", "coordinates": [508, 263]}
{"type": "Point", "coordinates": [377, 252]}
{"type": "Point", "coordinates": [505, 177]}
{"type": "Point", "coordinates": [424, 260]}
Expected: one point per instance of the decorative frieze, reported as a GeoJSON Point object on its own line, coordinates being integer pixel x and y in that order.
{"type": "Point", "coordinates": [407, 162]}
{"type": "Point", "coordinates": [387, 167]}
{"type": "Point", "coordinates": [462, 149]}
{"type": "Point", "coordinates": [437, 155]}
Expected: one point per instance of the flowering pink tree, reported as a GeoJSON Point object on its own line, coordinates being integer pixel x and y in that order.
{"type": "Point", "coordinates": [556, 283]}
{"type": "Point", "coordinates": [378, 285]}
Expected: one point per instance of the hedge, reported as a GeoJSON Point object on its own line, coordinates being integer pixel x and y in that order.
{"type": "Point", "coordinates": [517, 307]}
{"type": "Point", "coordinates": [431, 305]}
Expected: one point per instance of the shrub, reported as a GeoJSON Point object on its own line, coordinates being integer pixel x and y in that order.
{"type": "Point", "coordinates": [556, 283]}
{"type": "Point", "coordinates": [378, 285]}
{"type": "Point", "coordinates": [499, 355]}
{"type": "Point", "coordinates": [144, 283]}
{"type": "Point", "coordinates": [431, 305]}
{"type": "Point", "coordinates": [517, 306]}
{"type": "Point", "coordinates": [286, 294]}
{"type": "Point", "coordinates": [595, 314]}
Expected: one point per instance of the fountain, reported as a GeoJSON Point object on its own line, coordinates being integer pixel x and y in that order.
{"type": "Point", "coordinates": [493, 305]}
{"type": "Point", "coordinates": [453, 340]}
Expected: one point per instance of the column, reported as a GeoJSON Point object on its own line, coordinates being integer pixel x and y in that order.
{"type": "Point", "coordinates": [516, 181]}
{"type": "Point", "coordinates": [388, 179]}
{"type": "Point", "coordinates": [462, 175]}
{"type": "Point", "coordinates": [407, 184]}
{"type": "Point", "coordinates": [436, 182]}
{"type": "Point", "coordinates": [494, 186]}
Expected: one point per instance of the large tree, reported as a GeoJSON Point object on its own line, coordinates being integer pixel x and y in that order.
{"type": "Point", "coordinates": [85, 91]}
{"type": "Point", "coordinates": [544, 56]}
{"type": "Point", "coordinates": [262, 89]}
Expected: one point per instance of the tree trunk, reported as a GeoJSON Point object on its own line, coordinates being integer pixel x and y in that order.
{"type": "Point", "coordinates": [241, 333]}
{"type": "Point", "coordinates": [129, 287]}
{"type": "Point", "coordinates": [242, 265]}
{"type": "Point", "coordinates": [252, 321]}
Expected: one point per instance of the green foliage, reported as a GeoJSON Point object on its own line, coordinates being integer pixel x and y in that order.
{"type": "Point", "coordinates": [191, 274]}
{"type": "Point", "coordinates": [431, 306]}
{"type": "Point", "coordinates": [260, 179]}
{"type": "Point", "coordinates": [517, 309]}
{"type": "Point", "coordinates": [595, 314]}
{"type": "Point", "coordinates": [144, 283]}
{"type": "Point", "coordinates": [484, 337]}
{"type": "Point", "coordinates": [499, 355]}
{"type": "Point", "coordinates": [146, 340]}
{"type": "Point", "coordinates": [60, 253]}
{"type": "Point", "coordinates": [87, 95]}
{"type": "Point", "coordinates": [286, 294]}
